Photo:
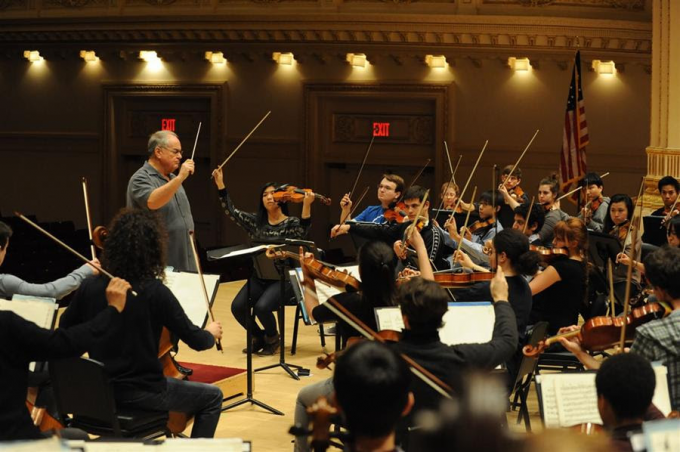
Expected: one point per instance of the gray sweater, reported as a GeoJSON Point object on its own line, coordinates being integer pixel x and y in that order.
{"type": "Point", "coordinates": [10, 285]}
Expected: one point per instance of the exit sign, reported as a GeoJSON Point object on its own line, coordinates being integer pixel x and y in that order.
{"type": "Point", "coordinates": [381, 129]}
{"type": "Point", "coordinates": [168, 124]}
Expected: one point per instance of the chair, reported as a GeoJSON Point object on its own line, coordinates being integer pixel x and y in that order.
{"type": "Point", "coordinates": [82, 389]}
{"type": "Point", "coordinates": [525, 375]}
{"type": "Point", "coordinates": [298, 317]}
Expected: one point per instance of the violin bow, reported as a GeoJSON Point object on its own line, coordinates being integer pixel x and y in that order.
{"type": "Point", "coordinates": [89, 219]}
{"type": "Point", "coordinates": [196, 140]}
{"type": "Point", "coordinates": [632, 217]}
{"type": "Point", "coordinates": [526, 221]}
{"type": "Point", "coordinates": [522, 155]}
{"type": "Point", "coordinates": [420, 172]}
{"type": "Point", "coordinates": [453, 175]}
{"type": "Point", "coordinates": [670, 213]}
{"type": "Point", "coordinates": [460, 197]}
{"type": "Point", "coordinates": [361, 168]}
{"type": "Point", "coordinates": [612, 296]}
{"type": "Point", "coordinates": [357, 204]}
{"type": "Point", "coordinates": [244, 140]}
{"type": "Point", "coordinates": [218, 342]}
{"type": "Point", "coordinates": [578, 188]}
{"type": "Point", "coordinates": [68, 248]}
{"type": "Point", "coordinates": [409, 230]}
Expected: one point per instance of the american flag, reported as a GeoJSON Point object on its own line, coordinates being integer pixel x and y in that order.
{"type": "Point", "coordinates": [575, 135]}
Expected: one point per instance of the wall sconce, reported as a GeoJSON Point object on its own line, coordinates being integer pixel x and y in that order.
{"type": "Point", "coordinates": [33, 56]}
{"type": "Point", "coordinates": [436, 61]}
{"type": "Point", "coordinates": [519, 64]}
{"type": "Point", "coordinates": [215, 57]}
{"type": "Point", "coordinates": [604, 67]}
{"type": "Point", "coordinates": [89, 55]}
{"type": "Point", "coordinates": [357, 59]}
{"type": "Point", "coordinates": [283, 58]}
{"type": "Point", "coordinates": [149, 56]}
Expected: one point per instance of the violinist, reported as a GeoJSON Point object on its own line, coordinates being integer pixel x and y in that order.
{"type": "Point", "coordinates": [656, 340]}
{"type": "Point", "coordinates": [536, 221]}
{"type": "Point", "coordinates": [390, 190]}
{"type": "Point", "coordinates": [548, 191]}
{"type": "Point", "coordinates": [449, 194]}
{"type": "Point", "coordinates": [271, 222]}
{"type": "Point", "coordinates": [669, 187]}
{"type": "Point", "coordinates": [479, 233]}
{"type": "Point", "coordinates": [513, 195]}
{"type": "Point", "coordinates": [58, 289]}
{"type": "Point", "coordinates": [595, 211]}
{"type": "Point", "coordinates": [617, 224]}
{"type": "Point", "coordinates": [129, 351]}
{"type": "Point", "coordinates": [560, 290]}
{"type": "Point", "coordinates": [673, 237]}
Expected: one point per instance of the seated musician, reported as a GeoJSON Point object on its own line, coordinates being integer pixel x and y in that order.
{"type": "Point", "coordinates": [656, 340]}
{"type": "Point", "coordinates": [475, 236]}
{"type": "Point", "coordinates": [673, 237]}
{"type": "Point", "coordinates": [270, 223]}
{"type": "Point", "coordinates": [596, 207]}
{"type": "Point", "coordinates": [548, 192]}
{"type": "Point", "coordinates": [512, 193]}
{"type": "Point", "coordinates": [560, 289]}
{"type": "Point", "coordinates": [617, 224]}
{"type": "Point", "coordinates": [535, 222]}
{"type": "Point", "coordinates": [32, 343]}
{"type": "Point", "coordinates": [389, 191]}
{"type": "Point", "coordinates": [135, 250]}
{"type": "Point", "coordinates": [437, 242]}
{"type": "Point", "coordinates": [58, 289]}
{"type": "Point", "coordinates": [669, 187]}
{"type": "Point", "coordinates": [449, 195]}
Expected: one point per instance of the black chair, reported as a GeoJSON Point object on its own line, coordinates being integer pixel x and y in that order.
{"type": "Point", "coordinates": [82, 389]}
{"type": "Point", "coordinates": [298, 317]}
{"type": "Point", "coordinates": [525, 375]}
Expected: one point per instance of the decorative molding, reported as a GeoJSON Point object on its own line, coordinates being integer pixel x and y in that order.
{"type": "Point", "coordinates": [637, 5]}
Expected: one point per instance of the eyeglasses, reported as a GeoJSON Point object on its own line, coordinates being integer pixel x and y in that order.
{"type": "Point", "coordinates": [385, 187]}
{"type": "Point", "coordinates": [174, 151]}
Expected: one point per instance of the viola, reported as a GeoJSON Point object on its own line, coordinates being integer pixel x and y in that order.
{"type": "Point", "coordinates": [603, 332]}
{"type": "Point", "coordinates": [177, 422]}
{"type": "Point", "coordinates": [452, 280]}
{"type": "Point", "coordinates": [99, 236]}
{"type": "Point", "coordinates": [318, 270]}
{"type": "Point", "coordinates": [548, 254]}
{"type": "Point", "coordinates": [290, 193]}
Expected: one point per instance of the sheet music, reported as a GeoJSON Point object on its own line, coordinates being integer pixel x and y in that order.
{"type": "Point", "coordinates": [468, 323]}
{"type": "Point", "coordinates": [576, 398]}
{"type": "Point", "coordinates": [187, 289]}
{"type": "Point", "coordinates": [247, 251]}
{"type": "Point", "coordinates": [389, 319]}
{"type": "Point", "coordinates": [324, 291]}
{"type": "Point", "coordinates": [662, 396]}
{"type": "Point", "coordinates": [551, 418]}
{"type": "Point", "coordinates": [36, 311]}
{"type": "Point", "coordinates": [662, 435]}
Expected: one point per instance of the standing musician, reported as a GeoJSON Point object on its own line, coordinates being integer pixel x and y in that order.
{"type": "Point", "coordinates": [669, 187]}
{"type": "Point", "coordinates": [618, 224]}
{"type": "Point", "coordinates": [656, 340]}
{"type": "Point", "coordinates": [536, 221]}
{"type": "Point", "coordinates": [271, 222]}
{"type": "Point", "coordinates": [513, 195]}
{"type": "Point", "coordinates": [594, 213]}
{"type": "Point", "coordinates": [473, 239]}
{"type": "Point", "coordinates": [58, 289]}
{"type": "Point", "coordinates": [389, 191]}
{"type": "Point", "coordinates": [437, 242]}
{"type": "Point", "coordinates": [32, 343]}
{"type": "Point", "coordinates": [155, 187]}
{"type": "Point", "coordinates": [548, 191]}
{"type": "Point", "coordinates": [560, 290]}
{"type": "Point", "coordinates": [135, 250]}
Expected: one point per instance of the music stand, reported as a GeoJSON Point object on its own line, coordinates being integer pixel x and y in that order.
{"type": "Point", "coordinates": [601, 248]}
{"type": "Point", "coordinates": [655, 232]}
{"type": "Point", "coordinates": [442, 215]}
{"type": "Point", "coordinates": [268, 269]}
{"type": "Point", "coordinates": [246, 254]}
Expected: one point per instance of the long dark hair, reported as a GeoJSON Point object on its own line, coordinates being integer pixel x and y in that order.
{"type": "Point", "coordinates": [262, 217]}
{"type": "Point", "coordinates": [515, 245]}
{"type": "Point", "coordinates": [136, 246]}
{"type": "Point", "coordinates": [619, 197]}
{"type": "Point", "coordinates": [377, 265]}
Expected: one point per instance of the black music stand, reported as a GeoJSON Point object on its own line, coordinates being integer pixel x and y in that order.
{"type": "Point", "coordinates": [247, 255]}
{"type": "Point", "coordinates": [269, 270]}
{"type": "Point", "coordinates": [655, 231]}
{"type": "Point", "coordinates": [601, 248]}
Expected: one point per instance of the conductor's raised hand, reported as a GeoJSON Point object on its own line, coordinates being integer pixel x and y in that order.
{"type": "Point", "coordinates": [186, 169]}
{"type": "Point", "coordinates": [116, 293]}
{"type": "Point", "coordinates": [218, 177]}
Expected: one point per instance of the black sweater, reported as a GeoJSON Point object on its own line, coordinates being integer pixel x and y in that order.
{"type": "Point", "coordinates": [130, 353]}
{"type": "Point", "coordinates": [22, 342]}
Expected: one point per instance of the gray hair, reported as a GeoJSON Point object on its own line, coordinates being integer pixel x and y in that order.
{"type": "Point", "coordinates": [159, 139]}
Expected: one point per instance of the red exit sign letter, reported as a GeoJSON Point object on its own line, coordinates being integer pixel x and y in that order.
{"type": "Point", "coordinates": [168, 124]}
{"type": "Point", "coordinates": [381, 129]}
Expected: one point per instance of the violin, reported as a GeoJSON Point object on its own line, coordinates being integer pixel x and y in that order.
{"type": "Point", "coordinates": [452, 280]}
{"type": "Point", "coordinates": [396, 214]}
{"type": "Point", "coordinates": [548, 254]}
{"type": "Point", "coordinates": [477, 225]}
{"type": "Point", "coordinates": [290, 193]}
{"type": "Point", "coordinates": [99, 236]}
{"type": "Point", "coordinates": [516, 193]}
{"type": "Point", "coordinates": [621, 231]}
{"type": "Point", "coordinates": [318, 270]}
{"type": "Point", "coordinates": [603, 332]}
{"type": "Point", "coordinates": [324, 362]}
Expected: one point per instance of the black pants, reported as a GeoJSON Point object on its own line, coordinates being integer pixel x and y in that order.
{"type": "Point", "coordinates": [266, 296]}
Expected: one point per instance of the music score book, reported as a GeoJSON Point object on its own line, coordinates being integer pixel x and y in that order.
{"type": "Point", "coordinates": [468, 323]}
{"type": "Point", "coordinates": [186, 287]}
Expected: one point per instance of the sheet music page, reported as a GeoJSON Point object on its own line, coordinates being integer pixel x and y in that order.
{"type": "Point", "coordinates": [576, 399]}
{"type": "Point", "coordinates": [662, 396]}
{"type": "Point", "coordinates": [38, 312]}
{"type": "Point", "coordinates": [248, 250]}
{"type": "Point", "coordinates": [662, 435]}
{"type": "Point", "coordinates": [187, 289]}
{"type": "Point", "coordinates": [389, 319]}
{"type": "Point", "coordinates": [43, 445]}
{"type": "Point", "coordinates": [468, 323]}
{"type": "Point", "coordinates": [551, 418]}
{"type": "Point", "coordinates": [324, 291]}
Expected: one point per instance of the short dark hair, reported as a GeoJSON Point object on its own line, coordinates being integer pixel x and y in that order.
{"type": "Point", "coordinates": [372, 387]}
{"type": "Point", "coordinates": [415, 191]}
{"type": "Point", "coordinates": [488, 197]}
{"type": "Point", "coordinates": [424, 303]}
{"type": "Point", "coordinates": [517, 173]}
{"type": "Point", "coordinates": [515, 245]}
{"type": "Point", "coordinates": [262, 217]}
{"type": "Point", "coordinates": [674, 226]}
{"type": "Point", "coordinates": [537, 214]}
{"type": "Point", "coordinates": [591, 179]}
{"type": "Point", "coordinates": [619, 197]}
{"type": "Point", "coordinates": [669, 180]}
{"type": "Point", "coordinates": [662, 268]}
{"type": "Point", "coordinates": [627, 382]}
{"type": "Point", "coordinates": [395, 179]}
{"type": "Point", "coordinates": [5, 234]}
